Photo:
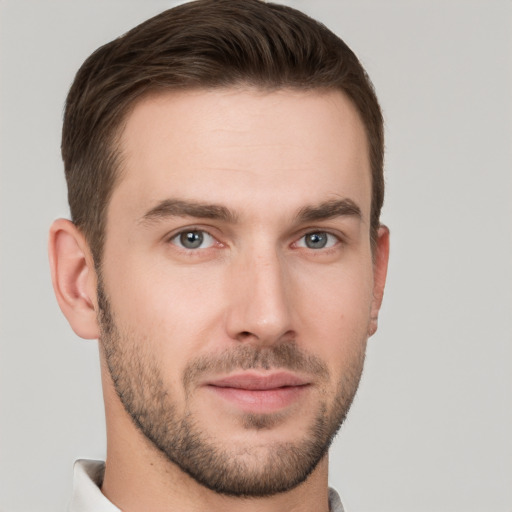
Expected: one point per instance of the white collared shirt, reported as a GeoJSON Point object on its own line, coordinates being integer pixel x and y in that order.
{"type": "Point", "coordinates": [87, 496]}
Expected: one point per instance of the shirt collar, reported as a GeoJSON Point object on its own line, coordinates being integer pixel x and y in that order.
{"type": "Point", "coordinates": [87, 496]}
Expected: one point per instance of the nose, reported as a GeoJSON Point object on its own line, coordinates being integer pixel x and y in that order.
{"type": "Point", "coordinates": [259, 299]}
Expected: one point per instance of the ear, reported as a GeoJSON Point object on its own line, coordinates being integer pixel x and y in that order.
{"type": "Point", "coordinates": [380, 268]}
{"type": "Point", "coordinates": [74, 277]}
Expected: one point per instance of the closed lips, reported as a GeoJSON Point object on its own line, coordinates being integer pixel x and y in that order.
{"type": "Point", "coordinates": [258, 382]}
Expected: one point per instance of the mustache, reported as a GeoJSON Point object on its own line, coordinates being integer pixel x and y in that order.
{"type": "Point", "coordinates": [284, 355]}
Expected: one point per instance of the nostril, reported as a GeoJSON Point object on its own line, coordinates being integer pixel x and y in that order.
{"type": "Point", "coordinates": [245, 334]}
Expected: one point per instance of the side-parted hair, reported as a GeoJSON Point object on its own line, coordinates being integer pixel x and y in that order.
{"type": "Point", "coordinates": [203, 44]}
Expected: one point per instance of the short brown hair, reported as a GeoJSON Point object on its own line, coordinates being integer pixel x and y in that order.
{"type": "Point", "coordinates": [201, 44]}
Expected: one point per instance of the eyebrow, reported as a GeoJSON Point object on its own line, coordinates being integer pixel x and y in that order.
{"type": "Point", "coordinates": [329, 210]}
{"type": "Point", "coordinates": [179, 208]}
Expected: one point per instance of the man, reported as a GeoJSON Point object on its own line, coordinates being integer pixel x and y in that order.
{"type": "Point", "coordinates": [224, 168]}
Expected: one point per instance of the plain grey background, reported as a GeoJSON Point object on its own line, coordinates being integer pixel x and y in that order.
{"type": "Point", "coordinates": [430, 427]}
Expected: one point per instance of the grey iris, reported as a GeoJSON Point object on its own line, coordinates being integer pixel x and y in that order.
{"type": "Point", "coordinates": [316, 240]}
{"type": "Point", "coordinates": [191, 239]}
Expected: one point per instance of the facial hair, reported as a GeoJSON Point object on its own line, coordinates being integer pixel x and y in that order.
{"type": "Point", "coordinates": [224, 468]}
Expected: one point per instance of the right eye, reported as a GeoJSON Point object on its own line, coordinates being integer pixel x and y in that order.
{"type": "Point", "coordinates": [193, 239]}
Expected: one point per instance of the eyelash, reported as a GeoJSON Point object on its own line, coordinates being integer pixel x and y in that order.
{"type": "Point", "coordinates": [175, 238]}
{"type": "Point", "coordinates": [332, 244]}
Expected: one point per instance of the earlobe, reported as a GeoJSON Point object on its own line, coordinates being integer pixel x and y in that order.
{"type": "Point", "coordinates": [73, 277]}
{"type": "Point", "coordinates": [380, 267]}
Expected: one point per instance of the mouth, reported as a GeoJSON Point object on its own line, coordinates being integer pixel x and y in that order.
{"type": "Point", "coordinates": [255, 393]}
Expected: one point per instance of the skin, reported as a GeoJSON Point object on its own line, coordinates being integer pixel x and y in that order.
{"type": "Point", "coordinates": [265, 157]}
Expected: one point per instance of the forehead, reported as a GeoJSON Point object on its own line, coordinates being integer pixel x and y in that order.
{"type": "Point", "coordinates": [243, 147]}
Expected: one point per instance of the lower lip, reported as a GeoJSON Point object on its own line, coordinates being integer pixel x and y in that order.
{"type": "Point", "coordinates": [260, 401]}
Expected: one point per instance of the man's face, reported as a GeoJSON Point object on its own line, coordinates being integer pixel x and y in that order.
{"type": "Point", "coordinates": [237, 280]}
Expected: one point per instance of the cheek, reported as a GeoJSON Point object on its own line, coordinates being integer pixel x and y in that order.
{"type": "Point", "coordinates": [174, 310]}
{"type": "Point", "coordinates": [336, 308]}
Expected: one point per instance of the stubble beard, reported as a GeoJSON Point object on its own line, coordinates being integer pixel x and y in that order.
{"type": "Point", "coordinates": [246, 471]}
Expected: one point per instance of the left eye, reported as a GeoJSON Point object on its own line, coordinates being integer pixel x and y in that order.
{"type": "Point", "coordinates": [317, 240]}
{"type": "Point", "coordinates": [193, 239]}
